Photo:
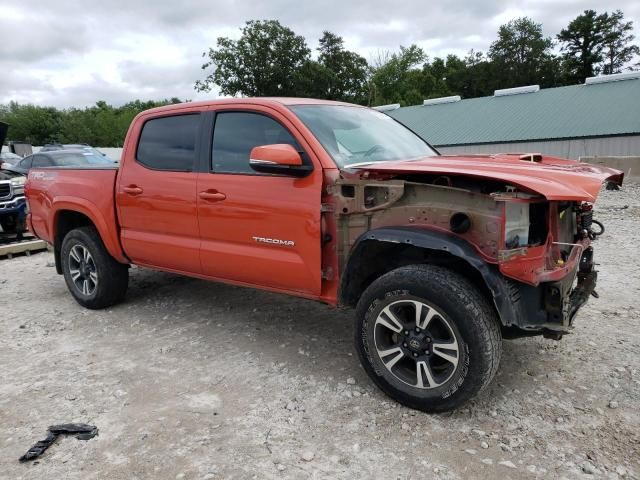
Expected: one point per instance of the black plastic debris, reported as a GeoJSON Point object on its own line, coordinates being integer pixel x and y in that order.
{"type": "Point", "coordinates": [81, 431]}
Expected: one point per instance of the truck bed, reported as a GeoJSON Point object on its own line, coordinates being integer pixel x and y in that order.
{"type": "Point", "coordinates": [89, 189]}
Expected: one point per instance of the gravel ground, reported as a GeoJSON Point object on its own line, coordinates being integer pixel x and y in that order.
{"type": "Point", "coordinates": [189, 379]}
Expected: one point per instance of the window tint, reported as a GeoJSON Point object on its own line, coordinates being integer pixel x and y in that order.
{"type": "Point", "coordinates": [42, 161]}
{"type": "Point", "coordinates": [26, 163]}
{"type": "Point", "coordinates": [169, 143]}
{"type": "Point", "coordinates": [236, 133]}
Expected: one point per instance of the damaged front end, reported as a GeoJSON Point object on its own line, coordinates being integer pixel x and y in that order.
{"type": "Point", "coordinates": [549, 256]}
{"type": "Point", "coordinates": [528, 247]}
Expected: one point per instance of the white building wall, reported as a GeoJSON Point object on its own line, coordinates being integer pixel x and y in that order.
{"type": "Point", "coordinates": [574, 148]}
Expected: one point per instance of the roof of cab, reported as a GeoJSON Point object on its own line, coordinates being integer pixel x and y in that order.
{"type": "Point", "coordinates": [265, 101]}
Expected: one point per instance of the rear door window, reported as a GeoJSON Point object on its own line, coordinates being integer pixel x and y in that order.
{"type": "Point", "coordinates": [169, 143]}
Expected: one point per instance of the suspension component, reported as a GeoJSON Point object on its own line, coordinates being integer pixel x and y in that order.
{"type": "Point", "coordinates": [584, 217]}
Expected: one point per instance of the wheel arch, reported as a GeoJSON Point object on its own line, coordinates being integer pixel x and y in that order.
{"type": "Point", "coordinates": [68, 216]}
{"type": "Point", "coordinates": [381, 250]}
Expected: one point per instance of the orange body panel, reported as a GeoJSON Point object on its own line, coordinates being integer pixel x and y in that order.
{"type": "Point", "coordinates": [241, 233]}
{"type": "Point", "coordinates": [554, 178]}
{"type": "Point", "coordinates": [89, 192]}
{"type": "Point", "coordinates": [279, 153]}
{"type": "Point", "coordinates": [159, 225]}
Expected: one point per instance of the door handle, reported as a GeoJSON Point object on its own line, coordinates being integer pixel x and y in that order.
{"type": "Point", "coordinates": [132, 190]}
{"type": "Point", "coordinates": [212, 196]}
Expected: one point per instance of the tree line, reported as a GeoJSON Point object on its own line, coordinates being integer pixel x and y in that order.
{"type": "Point", "coordinates": [270, 59]}
{"type": "Point", "coordinates": [100, 125]}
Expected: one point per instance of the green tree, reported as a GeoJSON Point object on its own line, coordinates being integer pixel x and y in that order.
{"type": "Point", "coordinates": [265, 61]}
{"type": "Point", "coordinates": [582, 44]}
{"type": "Point", "coordinates": [520, 54]}
{"type": "Point", "coordinates": [469, 77]}
{"type": "Point", "coordinates": [436, 76]}
{"type": "Point", "coordinates": [101, 125]}
{"type": "Point", "coordinates": [346, 72]}
{"type": "Point", "coordinates": [30, 123]}
{"type": "Point", "coordinates": [618, 47]}
{"type": "Point", "coordinates": [312, 80]}
{"type": "Point", "coordinates": [454, 77]}
{"type": "Point", "coordinates": [480, 78]}
{"type": "Point", "coordinates": [396, 77]}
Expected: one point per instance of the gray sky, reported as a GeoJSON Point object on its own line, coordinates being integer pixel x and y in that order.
{"type": "Point", "coordinates": [74, 53]}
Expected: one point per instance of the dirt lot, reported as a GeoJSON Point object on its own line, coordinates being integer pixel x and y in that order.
{"type": "Point", "coordinates": [189, 379]}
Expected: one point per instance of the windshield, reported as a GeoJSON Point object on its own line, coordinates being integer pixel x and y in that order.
{"type": "Point", "coordinates": [353, 135]}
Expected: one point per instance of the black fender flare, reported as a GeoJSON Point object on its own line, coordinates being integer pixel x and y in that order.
{"type": "Point", "coordinates": [450, 244]}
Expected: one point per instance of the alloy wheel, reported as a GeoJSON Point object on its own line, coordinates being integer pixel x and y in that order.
{"type": "Point", "coordinates": [82, 269]}
{"type": "Point", "coordinates": [416, 343]}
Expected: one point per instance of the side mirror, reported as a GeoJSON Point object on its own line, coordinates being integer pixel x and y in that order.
{"type": "Point", "coordinates": [280, 159]}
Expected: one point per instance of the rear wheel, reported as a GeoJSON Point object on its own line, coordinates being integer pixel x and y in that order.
{"type": "Point", "coordinates": [94, 278]}
{"type": "Point", "coordinates": [427, 337]}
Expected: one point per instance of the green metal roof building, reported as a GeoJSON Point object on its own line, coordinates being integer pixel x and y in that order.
{"type": "Point", "coordinates": [599, 118]}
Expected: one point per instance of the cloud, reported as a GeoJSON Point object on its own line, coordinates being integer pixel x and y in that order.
{"type": "Point", "coordinates": [74, 53]}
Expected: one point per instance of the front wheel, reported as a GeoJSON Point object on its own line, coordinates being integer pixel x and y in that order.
{"type": "Point", "coordinates": [94, 278]}
{"type": "Point", "coordinates": [427, 337]}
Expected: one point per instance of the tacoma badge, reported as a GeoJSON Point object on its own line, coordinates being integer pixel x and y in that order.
{"type": "Point", "coordinates": [275, 241]}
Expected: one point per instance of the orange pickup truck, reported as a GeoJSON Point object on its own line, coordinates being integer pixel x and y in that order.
{"type": "Point", "coordinates": [441, 256]}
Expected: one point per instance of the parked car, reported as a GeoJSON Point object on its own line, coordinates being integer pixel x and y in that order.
{"type": "Point", "coordinates": [13, 205]}
{"type": "Point", "coordinates": [59, 158]}
{"type": "Point", "coordinates": [440, 255]}
{"type": "Point", "coordinates": [7, 159]}
{"type": "Point", "coordinates": [51, 147]}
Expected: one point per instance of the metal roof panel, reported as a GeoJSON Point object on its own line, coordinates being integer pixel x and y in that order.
{"type": "Point", "coordinates": [575, 111]}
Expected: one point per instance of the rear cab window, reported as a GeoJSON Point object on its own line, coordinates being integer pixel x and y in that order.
{"type": "Point", "coordinates": [169, 143]}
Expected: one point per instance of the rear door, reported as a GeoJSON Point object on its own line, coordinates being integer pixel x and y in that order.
{"type": "Point", "coordinates": [257, 228]}
{"type": "Point", "coordinates": [156, 194]}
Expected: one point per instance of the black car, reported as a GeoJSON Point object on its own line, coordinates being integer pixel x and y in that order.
{"type": "Point", "coordinates": [60, 158]}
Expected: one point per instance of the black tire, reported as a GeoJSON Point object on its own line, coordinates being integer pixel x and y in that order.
{"type": "Point", "coordinates": [455, 311]}
{"type": "Point", "coordinates": [9, 225]}
{"type": "Point", "coordinates": [111, 277]}
{"type": "Point", "coordinates": [14, 225]}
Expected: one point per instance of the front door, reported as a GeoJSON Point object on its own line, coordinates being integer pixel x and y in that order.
{"type": "Point", "coordinates": [258, 229]}
{"type": "Point", "coordinates": [156, 194]}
